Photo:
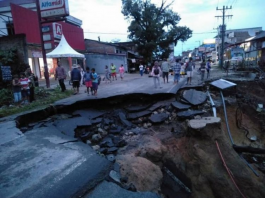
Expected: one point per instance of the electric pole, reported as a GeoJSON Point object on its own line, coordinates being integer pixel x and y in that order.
{"type": "Point", "coordinates": [223, 28]}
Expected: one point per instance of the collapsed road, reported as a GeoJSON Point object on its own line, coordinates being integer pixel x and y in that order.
{"type": "Point", "coordinates": [138, 142]}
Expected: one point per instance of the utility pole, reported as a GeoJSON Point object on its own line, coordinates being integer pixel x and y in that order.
{"type": "Point", "coordinates": [46, 71]}
{"type": "Point", "coordinates": [223, 28]}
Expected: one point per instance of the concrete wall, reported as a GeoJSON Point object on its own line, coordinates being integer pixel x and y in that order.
{"type": "Point", "coordinates": [99, 61]}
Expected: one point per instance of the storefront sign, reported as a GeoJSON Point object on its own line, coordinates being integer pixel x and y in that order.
{"type": "Point", "coordinates": [47, 46]}
{"type": "Point", "coordinates": [6, 73]}
{"type": "Point", "coordinates": [53, 8]}
{"type": "Point", "coordinates": [45, 29]}
{"type": "Point", "coordinates": [46, 37]}
{"type": "Point", "coordinates": [57, 30]}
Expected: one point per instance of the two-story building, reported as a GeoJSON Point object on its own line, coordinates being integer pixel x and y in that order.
{"type": "Point", "coordinates": [20, 32]}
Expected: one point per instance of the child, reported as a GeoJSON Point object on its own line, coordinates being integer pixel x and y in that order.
{"type": "Point", "coordinates": [94, 82]}
{"type": "Point", "coordinates": [121, 71]}
{"type": "Point", "coordinates": [107, 74]}
{"type": "Point", "coordinates": [24, 82]}
{"type": "Point", "coordinates": [16, 89]}
{"type": "Point", "coordinates": [182, 70]}
{"type": "Point", "coordinates": [88, 80]}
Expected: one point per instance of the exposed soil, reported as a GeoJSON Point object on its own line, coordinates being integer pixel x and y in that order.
{"type": "Point", "coordinates": [195, 154]}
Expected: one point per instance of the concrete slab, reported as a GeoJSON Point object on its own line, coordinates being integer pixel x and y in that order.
{"type": "Point", "coordinates": [67, 126]}
{"type": "Point", "coordinates": [180, 106]}
{"type": "Point", "coordinates": [201, 123]}
{"type": "Point", "coordinates": [89, 113]}
{"type": "Point", "coordinates": [9, 132]}
{"type": "Point", "coordinates": [111, 190]}
{"type": "Point", "coordinates": [37, 167]}
{"type": "Point", "coordinates": [194, 97]}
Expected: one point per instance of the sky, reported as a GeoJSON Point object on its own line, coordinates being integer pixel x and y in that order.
{"type": "Point", "coordinates": [103, 18]}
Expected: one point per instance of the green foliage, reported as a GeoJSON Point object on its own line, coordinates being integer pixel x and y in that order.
{"type": "Point", "coordinates": [153, 29]}
{"type": "Point", "coordinates": [5, 97]}
{"type": "Point", "coordinates": [43, 98]}
{"type": "Point", "coordinates": [7, 56]}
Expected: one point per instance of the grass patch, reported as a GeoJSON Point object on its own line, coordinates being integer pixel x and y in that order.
{"type": "Point", "coordinates": [43, 98]}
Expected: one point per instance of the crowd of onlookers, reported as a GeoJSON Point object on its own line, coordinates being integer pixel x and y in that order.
{"type": "Point", "coordinates": [23, 86]}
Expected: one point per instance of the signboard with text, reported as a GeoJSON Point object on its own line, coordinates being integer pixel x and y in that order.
{"type": "Point", "coordinates": [57, 30]}
{"type": "Point", "coordinates": [53, 8]}
{"type": "Point", "coordinates": [6, 73]}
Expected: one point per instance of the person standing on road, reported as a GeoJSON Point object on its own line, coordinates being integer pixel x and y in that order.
{"type": "Point", "coordinates": [176, 70]}
{"type": "Point", "coordinates": [94, 82]}
{"type": "Point", "coordinates": [203, 67]}
{"type": "Point", "coordinates": [82, 72]}
{"type": "Point", "coordinates": [61, 76]}
{"type": "Point", "coordinates": [88, 80]}
{"type": "Point", "coordinates": [121, 71]}
{"type": "Point", "coordinates": [208, 67]}
{"type": "Point", "coordinates": [189, 71]}
{"type": "Point", "coordinates": [182, 70]}
{"type": "Point", "coordinates": [107, 74]}
{"type": "Point", "coordinates": [165, 70]}
{"type": "Point", "coordinates": [113, 71]}
{"type": "Point", "coordinates": [156, 73]}
{"type": "Point", "coordinates": [75, 78]}
{"type": "Point", "coordinates": [141, 69]}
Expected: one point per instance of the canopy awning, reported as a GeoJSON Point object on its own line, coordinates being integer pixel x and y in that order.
{"type": "Point", "coordinates": [64, 50]}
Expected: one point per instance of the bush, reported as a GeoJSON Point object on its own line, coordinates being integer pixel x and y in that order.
{"type": "Point", "coordinates": [6, 97]}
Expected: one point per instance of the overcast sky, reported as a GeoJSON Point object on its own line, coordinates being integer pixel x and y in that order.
{"type": "Point", "coordinates": [104, 18]}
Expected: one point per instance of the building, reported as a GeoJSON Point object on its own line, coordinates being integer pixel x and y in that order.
{"type": "Point", "coordinates": [255, 50]}
{"type": "Point", "coordinates": [99, 54]}
{"type": "Point", "coordinates": [240, 35]}
{"type": "Point", "coordinates": [19, 21]}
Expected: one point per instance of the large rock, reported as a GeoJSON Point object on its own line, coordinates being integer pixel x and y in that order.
{"type": "Point", "coordinates": [145, 175]}
{"type": "Point", "coordinates": [194, 97]}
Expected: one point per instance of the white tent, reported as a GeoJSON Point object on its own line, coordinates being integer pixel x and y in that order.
{"type": "Point", "coordinates": [64, 50]}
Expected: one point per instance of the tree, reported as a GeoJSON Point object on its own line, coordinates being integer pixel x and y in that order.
{"type": "Point", "coordinates": [153, 29]}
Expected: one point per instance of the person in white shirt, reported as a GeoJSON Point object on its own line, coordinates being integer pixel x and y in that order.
{"type": "Point", "coordinates": [165, 70]}
{"type": "Point", "coordinates": [141, 68]}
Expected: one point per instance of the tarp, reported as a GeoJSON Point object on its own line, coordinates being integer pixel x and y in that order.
{"type": "Point", "coordinates": [64, 50]}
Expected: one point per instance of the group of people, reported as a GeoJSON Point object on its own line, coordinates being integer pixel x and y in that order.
{"type": "Point", "coordinates": [179, 70]}
{"type": "Point", "coordinates": [78, 77]}
{"type": "Point", "coordinates": [111, 74]}
{"type": "Point", "coordinates": [23, 87]}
